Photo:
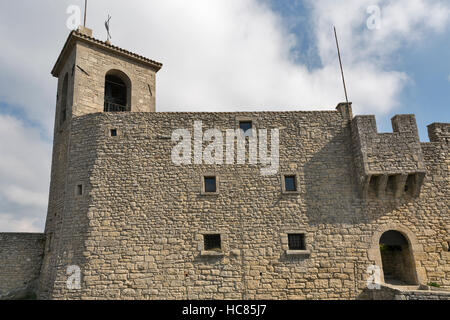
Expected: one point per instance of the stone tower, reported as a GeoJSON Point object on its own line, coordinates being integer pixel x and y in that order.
{"type": "Point", "coordinates": [93, 77]}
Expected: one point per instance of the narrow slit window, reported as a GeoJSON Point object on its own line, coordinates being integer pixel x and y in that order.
{"type": "Point", "coordinates": [290, 183]}
{"type": "Point", "coordinates": [212, 242]}
{"type": "Point", "coordinates": [79, 190]}
{"type": "Point", "coordinates": [296, 241]}
{"type": "Point", "coordinates": [49, 242]}
{"type": "Point", "coordinates": [210, 184]}
{"type": "Point", "coordinates": [65, 89]}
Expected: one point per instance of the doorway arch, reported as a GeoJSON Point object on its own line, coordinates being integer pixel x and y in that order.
{"type": "Point", "coordinates": [397, 259]}
{"type": "Point", "coordinates": [415, 250]}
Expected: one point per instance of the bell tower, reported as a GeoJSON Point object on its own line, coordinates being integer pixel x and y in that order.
{"type": "Point", "coordinates": [96, 76]}
{"type": "Point", "coordinates": [93, 77]}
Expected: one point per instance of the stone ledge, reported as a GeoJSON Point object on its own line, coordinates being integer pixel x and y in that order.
{"type": "Point", "coordinates": [290, 192]}
{"type": "Point", "coordinates": [297, 252]}
{"type": "Point", "coordinates": [209, 194]}
{"type": "Point", "coordinates": [205, 253]}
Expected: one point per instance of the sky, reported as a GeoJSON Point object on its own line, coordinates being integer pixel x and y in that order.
{"type": "Point", "coordinates": [221, 55]}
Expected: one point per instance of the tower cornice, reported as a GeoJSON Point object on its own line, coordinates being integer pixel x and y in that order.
{"type": "Point", "coordinates": [78, 36]}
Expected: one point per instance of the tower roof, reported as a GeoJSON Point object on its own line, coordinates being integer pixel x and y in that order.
{"type": "Point", "coordinates": [86, 36]}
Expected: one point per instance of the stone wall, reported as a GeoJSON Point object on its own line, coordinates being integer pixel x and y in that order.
{"type": "Point", "coordinates": [422, 295]}
{"type": "Point", "coordinates": [394, 293]}
{"type": "Point", "coordinates": [21, 257]}
{"type": "Point", "coordinates": [136, 232]}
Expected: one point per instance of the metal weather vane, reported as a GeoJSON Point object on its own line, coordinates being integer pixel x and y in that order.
{"type": "Point", "coordinates": [107, 27]}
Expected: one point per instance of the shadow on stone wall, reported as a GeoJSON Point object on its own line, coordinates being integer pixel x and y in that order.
{"type": "Point", "coordinates": [28, 292]}
{"type": "Point", "coordinates": [331, 191]}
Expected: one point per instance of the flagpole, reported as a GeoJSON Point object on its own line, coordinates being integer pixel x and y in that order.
{"type": "Point", "coordinates": [340, 63]}
{"type": "Point", "coordinates": [85, 9]}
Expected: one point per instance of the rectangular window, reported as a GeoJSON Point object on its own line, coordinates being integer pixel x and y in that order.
{"type": "Point", "coordinates": [212, 242]}
{"type": "Point", "coordinates": [296, 241]}
{"type": "Point", "coordinates": [290, 183]}
{"type": "Point", "coordinates": [246, 126]}
{"type": "Point", "coordinates": [210, 184]}
{"type": "Point", "coordinates": [113, 132]}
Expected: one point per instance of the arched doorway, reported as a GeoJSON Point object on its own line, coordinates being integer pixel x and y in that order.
{"type": "Point", "coordinates": [397, 259]}
{"type": "Point", "coordinates": [117, 92]}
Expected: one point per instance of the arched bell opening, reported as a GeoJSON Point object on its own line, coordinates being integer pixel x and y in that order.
{"type": "Point", "coordinates": [117, 92]}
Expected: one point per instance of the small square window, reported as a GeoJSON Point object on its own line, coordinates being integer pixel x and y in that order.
{"type": "Point", "coordinates": [296, 241]}
{"type": "Point", "coordinates": [212, 242]}
{"type": "Point", "coordinates": [246, 126]}
{"type": "Point", "coordinates": [210, 184]}
{"type": "Point", "coordinates": [113, 132]}
{"type": "Point", "coordinates": [79, 190]}
{"type": "Point", "coordinates": [290, 183]}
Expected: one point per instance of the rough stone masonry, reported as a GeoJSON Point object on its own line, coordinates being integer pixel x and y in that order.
{"type": "Point", "coordinates": [136, 226]}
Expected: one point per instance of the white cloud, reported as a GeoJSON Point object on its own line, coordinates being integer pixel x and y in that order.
{"type": "Point", "coordinates": [373, 80]}
{"type": "Point", "coordinates": [25, 158]}
{"type": "Point", "coordinates": [402, 23]}
{"type": "Point", "coordinates": [24, 197]}
{"type": "Point", "coordinates": [225, 55]}
{"type": "Point", "coordinates": [218, 55]}
{"type": "Point", "coordinates": [12, 223]}
{"type": "Point", "coordinates": [24, 176]}
{"type": "Point", "coordinates": [235, 55]}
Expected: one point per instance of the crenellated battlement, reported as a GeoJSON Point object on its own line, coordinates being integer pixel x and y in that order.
{"type": "Point", "coordinates": [439, 132]}
{"type": "Point", "coordinates": [388, 164]}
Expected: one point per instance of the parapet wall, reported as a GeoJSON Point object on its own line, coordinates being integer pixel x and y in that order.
{"type": "Point", "coordinates": [386, 153]}
{"type": "Point", "coordinates": [439, 132]}
{"type": "Point", "coordinates": [388, 161]}
{"type": "Point", "coordinates": [21, 257]}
